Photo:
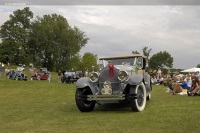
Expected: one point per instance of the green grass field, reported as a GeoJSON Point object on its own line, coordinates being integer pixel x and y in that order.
{"type": "Point", "coordinates": [43, 107]}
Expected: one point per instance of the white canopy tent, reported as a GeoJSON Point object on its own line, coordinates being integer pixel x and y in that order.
{"type": "Point", "coordinates": [194, 69]}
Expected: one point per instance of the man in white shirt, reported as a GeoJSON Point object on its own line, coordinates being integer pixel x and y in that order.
{"type": "Point", "coordinates": [189, 82]}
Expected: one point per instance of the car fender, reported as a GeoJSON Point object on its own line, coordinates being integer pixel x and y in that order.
{"type": "Point", "coordinates": [148, 83]}
{"type": "Point", "coordinates": [85, 82]}
{"type": "Point", "coordinates": [135, 79]}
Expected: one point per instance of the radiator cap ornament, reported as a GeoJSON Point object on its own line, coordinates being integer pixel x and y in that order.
{"type": "Point", "coordinates": [111, 68]}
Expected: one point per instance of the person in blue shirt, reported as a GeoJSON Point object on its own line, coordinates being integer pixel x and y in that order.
{"type": "Point", "coordinates": [183, 84]}
{"type": "Point", "coordinates": [179, 86]}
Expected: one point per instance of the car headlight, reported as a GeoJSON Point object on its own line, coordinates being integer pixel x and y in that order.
{"type": "Point", "coordinates": [123, 75]}
{"type": "Point", "coordinates": [94, 77]}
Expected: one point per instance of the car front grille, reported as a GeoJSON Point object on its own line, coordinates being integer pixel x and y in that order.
{"type": "Point", "coordinates": [115, 83]}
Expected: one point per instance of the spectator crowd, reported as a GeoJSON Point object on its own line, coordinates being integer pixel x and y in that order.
{"type": "Point", "coordinates": [178, 83]}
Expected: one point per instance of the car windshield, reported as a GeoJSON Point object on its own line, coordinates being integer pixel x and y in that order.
{"type": "Point", "coordinates": [124, 61]}
{"type": "Point", "coordinates": [43, 69]}
{"type": "Point", "coordinates": [20, 68]}
{"type": "Point", "coordinates": [70, 73]}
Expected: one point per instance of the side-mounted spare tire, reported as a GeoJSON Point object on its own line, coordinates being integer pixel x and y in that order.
{"type": "Point", "coordinates": [139, 103]}
{"type": "Point", "coordinates": [83, 104]}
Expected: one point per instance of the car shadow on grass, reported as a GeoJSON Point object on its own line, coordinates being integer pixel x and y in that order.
{"type": "Point", "coordinates": [113, 107]}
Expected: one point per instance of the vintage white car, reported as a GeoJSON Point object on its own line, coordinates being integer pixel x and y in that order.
{"type": "Point", "coordinates": [120, 78]}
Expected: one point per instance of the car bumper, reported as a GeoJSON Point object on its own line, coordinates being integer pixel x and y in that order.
{"type": "Point", "coordinates": [108, 97]}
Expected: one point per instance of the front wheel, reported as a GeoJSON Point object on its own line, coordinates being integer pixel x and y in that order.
{"type": "Point", "coordinates": [139, 103]}
{"type": "Point", "coordinates": [82, 104]}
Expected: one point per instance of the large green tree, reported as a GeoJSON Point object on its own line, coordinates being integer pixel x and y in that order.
{"type": "Point", "coordinates": [75, 63]}
{"type": "Point", "coordinates": [15, 35]}
{"type": "Point", "coordinates": [54, 43]}
{"type": "Point", "coordinates": [89, 60]}
{"type": "Point", "coordinates": [163, 58]}
{"type": "Point", "coordinates": [47, 41]}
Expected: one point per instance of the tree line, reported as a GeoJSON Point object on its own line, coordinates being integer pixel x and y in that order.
{"type": "Point", "coordinates": [47, 41]}
{"type": "Point", "coordinates": [161, 59]}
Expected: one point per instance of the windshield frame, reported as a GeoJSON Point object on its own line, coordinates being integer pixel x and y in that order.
{"type": "Point", "coordinates": [118, 61]}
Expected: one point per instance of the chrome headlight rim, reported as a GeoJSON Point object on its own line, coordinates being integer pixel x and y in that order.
{"type": "Point", "coordinates": [126, 76]}
{"type": "Point", "coordinates": [94, 77]}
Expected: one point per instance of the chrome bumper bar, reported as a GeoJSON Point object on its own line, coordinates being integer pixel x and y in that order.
{"type": "Point", "coordinates": [107, 97]}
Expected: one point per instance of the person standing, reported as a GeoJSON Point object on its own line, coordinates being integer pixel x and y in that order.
{"type": "Point", "coordinates": [168, 74]}
{"type": "Point", "coordinates": [7, 72]}
{"type": "Point", "coordinates": [1, 69]}
{"type": "Point", "coordinates": [86, 72]}
{"type": "Point", "coordinates": [59, 76]}
{"type": "Point", "coordinates": [49, 77]}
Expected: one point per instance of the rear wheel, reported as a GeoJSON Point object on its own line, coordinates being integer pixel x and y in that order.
{"type": "Point", "coordinates": [139, 103]}
{"type": "Point", "coordinates": [82, 104]}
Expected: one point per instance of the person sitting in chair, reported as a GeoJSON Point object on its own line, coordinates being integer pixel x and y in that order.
{"type": "Point", "coordinates": [195, 88]}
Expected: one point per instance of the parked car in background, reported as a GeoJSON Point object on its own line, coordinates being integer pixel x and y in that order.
{"type": "Point", "coordinates": [43, 70]}
{"type": "Point", "coordinates": [18, 74]}
{"type": "Point", "coordinates": [120, 78]}
{"type": "Point", "coordinates": [69, 77]}
{"type": "Point", "coordinates": [42, 74]}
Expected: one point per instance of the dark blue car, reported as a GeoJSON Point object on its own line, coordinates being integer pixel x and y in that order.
{"type": "Point", "coordinates": [17, 75]}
